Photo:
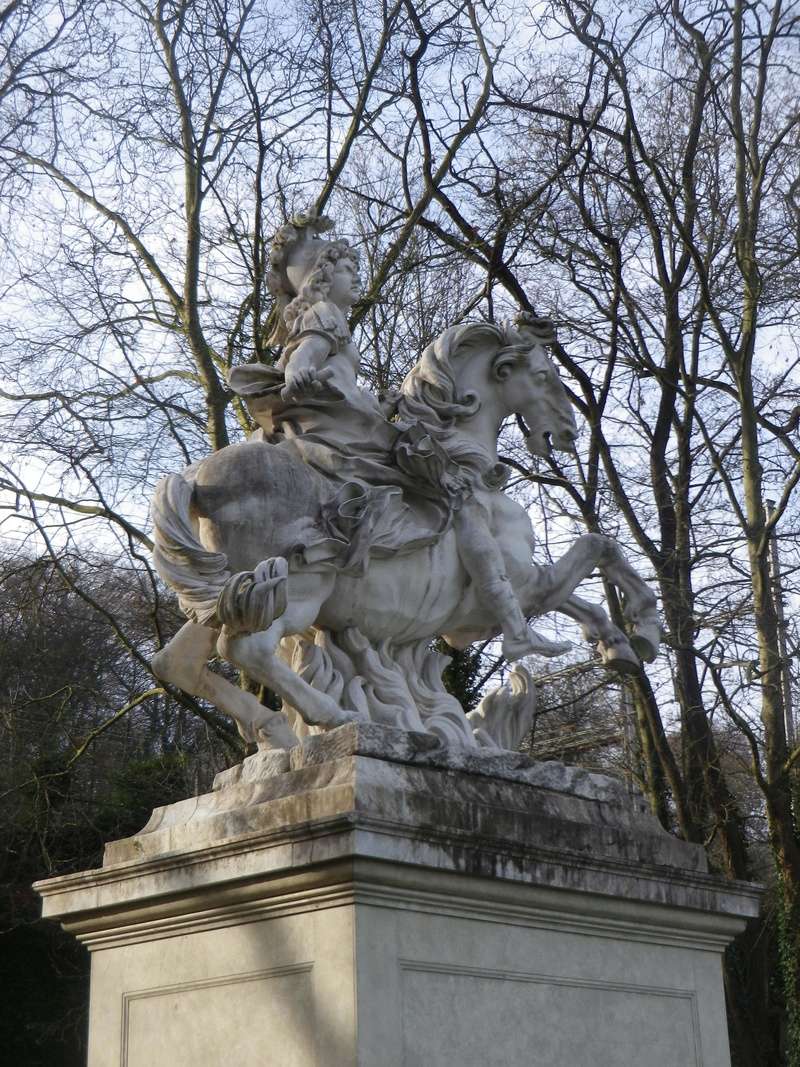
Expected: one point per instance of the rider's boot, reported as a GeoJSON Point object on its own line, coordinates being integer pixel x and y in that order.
{"type": "Point", "coordinates": [518, 638]}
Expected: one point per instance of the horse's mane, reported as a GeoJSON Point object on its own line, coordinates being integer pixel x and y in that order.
{"type": "Point", "coordinates": [429, 395]}
{"type": "Point", "coordinates": [430, 389]}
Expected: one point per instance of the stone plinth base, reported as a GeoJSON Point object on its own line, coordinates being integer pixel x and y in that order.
{"type": "Point", "coordinates": [374, 899]}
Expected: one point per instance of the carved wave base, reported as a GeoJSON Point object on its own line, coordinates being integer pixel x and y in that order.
{"type": "Point", "coordinates": [376, 898]}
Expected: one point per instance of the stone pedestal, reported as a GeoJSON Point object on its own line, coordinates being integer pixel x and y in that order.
{"type": "Point", "coordinates": [375, 899]}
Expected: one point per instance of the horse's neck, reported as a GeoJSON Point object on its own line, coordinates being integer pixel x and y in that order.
{"type": "Point", "coordinates": [479, 432]}
{"type": "Point", "coordinates": [468, 452]}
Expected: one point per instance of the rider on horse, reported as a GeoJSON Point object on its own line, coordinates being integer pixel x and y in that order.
{"type": "Point", "coordinates": [396, 487]}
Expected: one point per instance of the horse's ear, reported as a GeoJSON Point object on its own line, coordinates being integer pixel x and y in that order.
{"type": "Point", "coordinates": [503, 363]}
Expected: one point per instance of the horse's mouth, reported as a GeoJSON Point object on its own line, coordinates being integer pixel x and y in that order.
{"type": "Point", "coordinates": [540, 444]}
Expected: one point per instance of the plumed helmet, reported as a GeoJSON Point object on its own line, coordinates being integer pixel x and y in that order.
{"type": "Point", "coordinates": [295, 249]}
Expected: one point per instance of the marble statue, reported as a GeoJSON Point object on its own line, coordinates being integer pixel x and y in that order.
{"type": "Point", "coordinates": [324, 554]}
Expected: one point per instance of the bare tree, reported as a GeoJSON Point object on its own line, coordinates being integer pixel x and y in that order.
{"type": "Point", "coordinates": [633, 174]}
{"type": "Point", "coordinates": [650, 162]}
{"type": "Point", "coordinates": [153, 171]}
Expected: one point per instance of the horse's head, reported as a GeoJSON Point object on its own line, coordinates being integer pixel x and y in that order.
{"type": "Point", "coordinates": [481, 373]}
{"type": "Point", "coordinates": [529, 387]}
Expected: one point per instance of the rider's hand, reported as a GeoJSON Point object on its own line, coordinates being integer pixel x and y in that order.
{"type": "Point", "coordinates": [307, 380]}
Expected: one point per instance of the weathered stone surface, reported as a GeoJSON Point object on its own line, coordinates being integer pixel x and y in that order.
{"type": "Point", "coordinates": [426, 750]}
{"type": "Point", "coordinates": [266, 763]}
{"type": "Point", "coordinates": [418, 787]}
{"type": "Point", "coordinates": [376, 898]}
{"type": "Point", "coordinates": [377, 793]}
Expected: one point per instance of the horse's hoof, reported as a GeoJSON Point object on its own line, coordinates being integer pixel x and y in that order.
{"type": "Point", "coordinates": [624, 667]}
{"type": "Point", "coordinates": [645, 640]}
{"type": "Point", "coordinates": [620, 658]}
{"type": "Point", "coordinates": [277, 732]}
{"type": "Point", "coordinates": [353, 715]}
{"type": "Point", "coordinates": [327, 715]}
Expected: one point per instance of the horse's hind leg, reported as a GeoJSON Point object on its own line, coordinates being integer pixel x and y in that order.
{"type": "Point", "coordinates": [255, 653]}
{"type": "Point", "coordinates": [183, 663]}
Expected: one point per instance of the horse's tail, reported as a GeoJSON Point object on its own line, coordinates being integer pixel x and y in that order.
{"type": "Point", "coordinates": [207, 591]}
{"type": "Point", "coordinates": [197, 575]}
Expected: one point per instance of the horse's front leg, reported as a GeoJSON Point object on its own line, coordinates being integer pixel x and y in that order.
{"type": "Point", "coordinates": [255, 653]}
{"type": "Point", "coordinates": [546, 588]}
{"type": "Point", "coordinates": [612, 644]}
{"type": "Point", "coordinates": [549, 588]}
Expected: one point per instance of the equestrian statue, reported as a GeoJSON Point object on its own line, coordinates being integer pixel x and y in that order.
{"type": "Point", "coordinates": [324, 555]}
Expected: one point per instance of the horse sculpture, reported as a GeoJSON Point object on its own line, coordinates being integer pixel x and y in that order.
{"type": "Point", "coordinates": [291, 572]}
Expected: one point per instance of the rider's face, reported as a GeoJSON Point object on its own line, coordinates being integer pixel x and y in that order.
{"type": "Point", "coordinates": [346, 285]}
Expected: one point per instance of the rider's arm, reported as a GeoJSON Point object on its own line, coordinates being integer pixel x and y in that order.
{"type": "Point", "coordinates": [305, 362]}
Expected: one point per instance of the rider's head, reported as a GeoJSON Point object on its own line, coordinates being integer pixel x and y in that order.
{"type": "Point", "coordinates": [305, 269]}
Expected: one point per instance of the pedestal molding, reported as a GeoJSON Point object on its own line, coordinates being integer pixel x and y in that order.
{"type": "Point", "coordinates": [382, 884]}
{"type": "Point", "coordinates": [353, 923]}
